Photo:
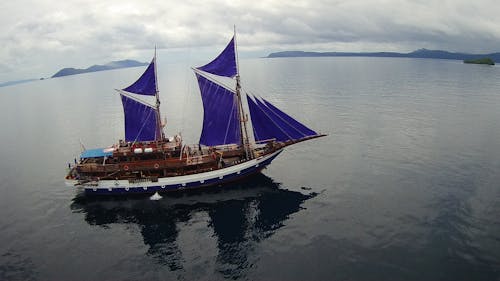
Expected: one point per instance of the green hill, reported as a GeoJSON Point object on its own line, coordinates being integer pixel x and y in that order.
{"type": "Point", "coordinates": [487, 61]}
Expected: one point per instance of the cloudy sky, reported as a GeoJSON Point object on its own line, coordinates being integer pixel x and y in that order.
{"type": "Point", "coordinates": [38, 37]}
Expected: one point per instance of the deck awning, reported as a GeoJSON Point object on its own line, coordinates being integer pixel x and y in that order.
{"type": "Point", "coordinates": [95, 153]}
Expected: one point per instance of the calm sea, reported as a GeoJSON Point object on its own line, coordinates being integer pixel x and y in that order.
{"type": "Point", "coordinates": [405, 187]}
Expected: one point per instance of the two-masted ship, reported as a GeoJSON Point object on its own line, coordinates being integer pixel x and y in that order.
{"type": "Point", "coordinates": [147, 161]}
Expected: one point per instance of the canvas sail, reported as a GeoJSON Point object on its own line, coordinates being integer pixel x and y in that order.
{"type": "Point", "coordinates": [271, 123]}
{"type": "Point", "coordinates": [224, 64]}
{"type": "Point", "coordinates": [296, 125]}
{"type": "Point", "coordinates": [220, 114]}
{"type": "Point", "coordinates": [140, 120]}
{"type": "Point", "coordinates": [263, 127]}
{"type": "Point", "coordinates": [146, 84]}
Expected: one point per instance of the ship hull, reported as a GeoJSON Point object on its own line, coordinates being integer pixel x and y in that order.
{"type": "Point", "coordinates": [165, 184]}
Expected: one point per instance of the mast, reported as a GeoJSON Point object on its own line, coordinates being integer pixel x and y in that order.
{"type": "Point", "coordinates": [243, 117]}
{"type": "Point", "coordinates": [159, 128]}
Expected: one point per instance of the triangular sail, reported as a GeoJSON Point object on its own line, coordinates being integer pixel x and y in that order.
{"type": "Point", "coordinates": [291, 132]}
{"type": "Point", "coordinates": [140, 120]}
{"type": "Point", "coordinates": [263, 126]}
{"type": "Point", "coordinates": [220, 115]}
{"type": "Point", "coordinates": [224, 64]}
{"type": "Point", "coordinates": [297, 126]}
{"type": "Point", "coordinates": [146, 84]}
{"type": "Point", "coordinates": [271, 123]}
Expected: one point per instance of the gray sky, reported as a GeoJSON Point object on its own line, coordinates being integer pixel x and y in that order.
{"type": "Point", "coordinates": [40, 37]}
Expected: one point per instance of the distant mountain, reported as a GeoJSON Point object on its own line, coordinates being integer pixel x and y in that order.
{"type": "Point", "coordinates": [421, 53]}
{"type": "Point", "coordinates": [98, 67]}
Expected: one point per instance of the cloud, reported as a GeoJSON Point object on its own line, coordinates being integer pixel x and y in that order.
{"type": "Point", "coordinates": [40, 37]}
{"type": "Point", "coordinates": [4, 68]}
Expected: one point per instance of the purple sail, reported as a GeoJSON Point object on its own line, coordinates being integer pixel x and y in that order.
{"type": "Point", "coordinates": [290, 131]}
{"type": "Point", "coordinates": [220, 114]}
{"type": "Point", "coordinates": [224, 64]}
{"type": "Point", "coordinates": [146, 84]}
{"type": "Point", "coordinates": [140, 121]}
{"type": "Point", "coordinates": [263, 126]}
{"type": "Point", "coordinates": [299, 127]}
{"type": "Point", "coordinates": [271, 123]}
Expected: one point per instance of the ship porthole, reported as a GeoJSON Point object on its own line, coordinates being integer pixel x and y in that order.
{"type": "Point", "coordinates": [156, 166]}
{"type": "Point", "coordinates": [126, 188]}
{"type": "Point", "coordinates": [94, 189]}
{"type": "Point", "coordinates": [183, 184]}
{"type": "Point", "coordinates": [145, 188]}
{"type": "Point", "coordinates": [163, 186]}
{"type": "Point", "coordinates": [202, 181]}
{"type": "Point", "coordinates": [125, 168]}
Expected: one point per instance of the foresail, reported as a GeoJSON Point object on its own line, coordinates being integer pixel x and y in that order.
{"type": "Point", "coordinates": [224, 64]}
{"type": "Point", "coordinates": [220, 114]}
{"type": "Point", "coordinates": [146, 84]}
{"type": "Point", "coordinates": [299, 127]}
{"type": "Point", "coordinates": [140, 120]}
{"type": "Point", "coordinates": [271, 123]}
{"type": "Point", "coordinates": [263, 126]}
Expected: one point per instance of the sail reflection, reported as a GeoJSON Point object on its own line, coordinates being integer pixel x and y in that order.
{"type": "Point", "coordinates": [239, 217]}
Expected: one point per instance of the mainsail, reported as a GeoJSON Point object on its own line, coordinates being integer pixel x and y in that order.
{"type": "Point", "coordinates": [220, 116]}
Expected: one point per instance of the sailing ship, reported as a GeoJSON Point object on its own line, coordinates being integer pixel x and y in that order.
{"type": "Point", "coordinates": [236, 141]}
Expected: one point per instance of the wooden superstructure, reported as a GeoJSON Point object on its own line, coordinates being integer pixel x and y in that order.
{"type": "Point", "coordinates": [158, 159]}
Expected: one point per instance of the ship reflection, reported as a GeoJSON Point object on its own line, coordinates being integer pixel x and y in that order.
{"type": "Point", "coordinates": [239, 217]}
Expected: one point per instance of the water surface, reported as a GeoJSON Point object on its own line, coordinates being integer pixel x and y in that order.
{"type": "Point", "coordinates": [405, 187]}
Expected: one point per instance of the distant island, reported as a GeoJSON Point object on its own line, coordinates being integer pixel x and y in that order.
{"type": "Point", "coordinates": [487, 61]}
{"type": "Point", "coordinates": [10, 83]}
{"type": "Point", "coordinates": [73, 71]}
{"type": "Point", "coordinates": [94, 68]}
{"type": "Point", "coordinates": [422, 53]}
